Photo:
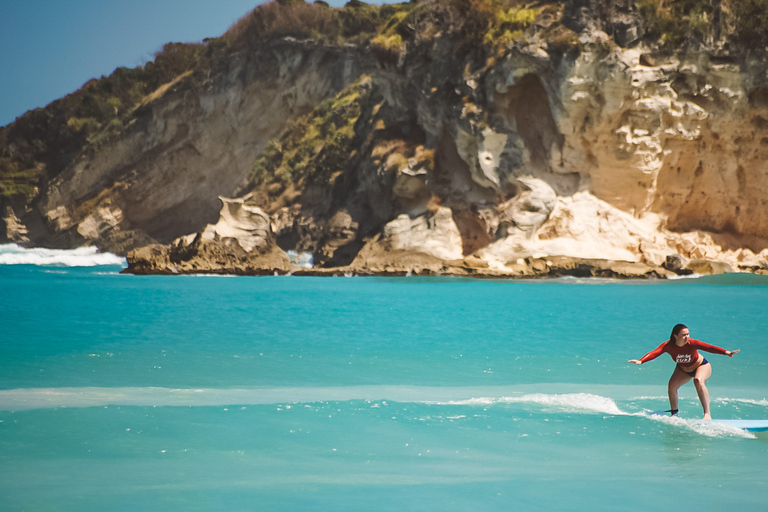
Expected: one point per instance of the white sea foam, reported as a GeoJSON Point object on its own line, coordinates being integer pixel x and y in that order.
{"type": "Point", "coordinates": [585, 403]}
{"type": "Point", "coordinates": [763, 402]}
{"type": "Point", "coordinates": [36, 398]}
{"type": "Point", "coordinates": [575, 402]}
{"type": "Point", "coordinates": [681, 277]}
{"type": "Point", "coordinates": [700, 426]}
{"type": "Point", "coordinates": [12, 254]}
{"type": "Point", "coordinates": [42, 398]}
{"type": "Point", "coordinates": [301, 259]}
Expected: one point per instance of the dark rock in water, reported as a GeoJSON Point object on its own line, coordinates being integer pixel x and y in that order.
{"type": "Point", "coordinates": [677, 264]}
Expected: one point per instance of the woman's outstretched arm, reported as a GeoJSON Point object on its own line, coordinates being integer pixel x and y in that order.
{"type": "Point", "coordinates": [653, 354]}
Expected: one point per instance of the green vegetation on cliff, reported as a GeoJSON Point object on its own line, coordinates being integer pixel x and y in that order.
{"type": "Point", "coordinates": [508, 25]}
{"type": "Point", "coordinates": [43, 142]}
{"type": "Point", "coordinates": [15, 182]}
{"type": "Point", "coordinates": [750, 22]}
{"type": "Point", "coordinates": [315, 147]}
{"type": "Point", "coordinates": [683, 22]}
{"type": "Point", "coordinates": [356, 22]}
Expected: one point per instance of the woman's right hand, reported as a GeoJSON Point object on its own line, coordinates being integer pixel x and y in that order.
{"type": "Point", "coordinates": [634, 361]}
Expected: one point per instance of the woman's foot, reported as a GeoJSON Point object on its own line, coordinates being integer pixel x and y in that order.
{"type": "Point", "coordinates": [708, 417]}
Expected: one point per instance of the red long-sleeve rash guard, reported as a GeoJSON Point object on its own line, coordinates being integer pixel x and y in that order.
{"type": "Point", "coordinates": [685, 355]}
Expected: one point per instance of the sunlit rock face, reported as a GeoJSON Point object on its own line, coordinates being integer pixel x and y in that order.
{"type": "Point", "coordinates": [479, 158]}
{"type": "Point", "coordinates": [189, 143]}
{"type": "Point", "coordinates": [648, 157]}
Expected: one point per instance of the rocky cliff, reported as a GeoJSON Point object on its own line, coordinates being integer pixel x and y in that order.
{"type": "Point", "coordinates": [463, 137]}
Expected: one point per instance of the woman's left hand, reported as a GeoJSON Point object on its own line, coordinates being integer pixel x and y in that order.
{"type": "Point", "coordinates": [730, 353]}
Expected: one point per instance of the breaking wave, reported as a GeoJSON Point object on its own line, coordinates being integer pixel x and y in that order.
{"type": "Point", "coordinates": [576, 402]}
{"type": "Point", "coordinates": [579, 403]}
{"type": "Point", "coordinates": [31, 398]}
{"type": "Point", "coordinates": [12, 254]}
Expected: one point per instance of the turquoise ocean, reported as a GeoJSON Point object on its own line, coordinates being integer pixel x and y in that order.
{"type": "Point", "coordinates": [284, 393]}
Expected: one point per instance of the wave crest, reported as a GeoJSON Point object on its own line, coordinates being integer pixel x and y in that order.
{"type": "Point", "coordinates": [16, 399]}
{"type": "Point", "coordinates": [576, 402]}
{"type": "Point", "coordinates": [12, 254]}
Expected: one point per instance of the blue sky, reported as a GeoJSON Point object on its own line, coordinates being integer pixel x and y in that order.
{"type": "Point", "coordinates": [50, 48]}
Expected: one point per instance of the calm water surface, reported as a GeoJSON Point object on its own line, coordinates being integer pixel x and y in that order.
{"type": "Point", "coordinates": [122, 392]}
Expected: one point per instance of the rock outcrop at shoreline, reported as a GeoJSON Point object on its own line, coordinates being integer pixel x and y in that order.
{"type": "Point", "coordinates": [561, 151]}
{"type": "Point", "coordinates": [242, 243]}
{"type": "Point", "coordinates": [227, 257]}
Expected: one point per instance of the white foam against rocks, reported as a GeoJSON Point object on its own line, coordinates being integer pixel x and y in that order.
{"type": "Point", "coordinates": [12, 254]}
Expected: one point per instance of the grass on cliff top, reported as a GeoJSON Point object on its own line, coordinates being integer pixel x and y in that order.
{"type": "Point", "coordinates": [356, 22]}
{"type": "Point", "coordinates": [49, 139]}
{"type": "Point", "coordinates": [670, 23]}
{"type": "Point", "coordinates": [15, 183]}
{"type": "Point", "coordinates": [508, 25]}
{"type": "Point", "coordinates": [315, 147]}
{"type": "Point", "coordinates": [677, 23]}
{"type": "Point", "coordinates": [46, 140]}
{"type": "Point", "coordinates": [385, 27]}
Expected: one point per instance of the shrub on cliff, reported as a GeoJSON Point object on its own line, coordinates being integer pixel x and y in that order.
{"type": "Point", "coordinates": [314, 148]}
{"type": "Point", "coordinates": [15, 182]}
{"type": "Point", "coordinates": [355, 22]}
{"type": "Point", "coordinates": [170, 62]}
{"type": "Point", "coordinates": [679, 23]}
{"type": "Point", "coordinates": [508, 25]}
{"type": "Point", "coordinates": [751, 21]}
{"type": "Point", "coordinates": [47, 140]}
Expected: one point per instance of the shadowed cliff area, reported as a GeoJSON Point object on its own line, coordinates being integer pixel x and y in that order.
{"type": "Point", "coordinates": [474, 137]}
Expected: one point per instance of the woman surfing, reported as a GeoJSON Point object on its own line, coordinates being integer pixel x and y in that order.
{"type": "Point", "coordinates": [684, 350]}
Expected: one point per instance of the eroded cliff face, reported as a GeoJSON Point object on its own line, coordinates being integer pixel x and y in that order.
{"type": "Point", "coordinates": [191, 141]}
{"type": "Point", "coordinates": [648, 156]}
{"type": "Point", "coordinates": [680, 137]}
{"type": "Point", "coordinates": [501, 164]}
{"type": "Point", "coordinates": [616, 154]}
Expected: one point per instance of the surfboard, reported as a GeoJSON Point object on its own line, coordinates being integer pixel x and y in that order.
{"type": "Point", "coordinates": [750, 425]}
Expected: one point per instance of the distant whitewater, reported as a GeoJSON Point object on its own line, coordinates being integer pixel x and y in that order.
{"type": "Point", "coordinates": [12, 254]}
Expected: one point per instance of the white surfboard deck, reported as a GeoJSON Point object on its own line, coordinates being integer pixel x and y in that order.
{"type": "Point", "coordinates": [750, 425]}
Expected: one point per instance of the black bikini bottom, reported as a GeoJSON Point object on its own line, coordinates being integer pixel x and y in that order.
{"type": "Point", "coordinates": [693, 373]}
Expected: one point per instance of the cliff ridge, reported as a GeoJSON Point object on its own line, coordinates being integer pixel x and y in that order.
{"type": "Point", "coordinates": [464, 137]}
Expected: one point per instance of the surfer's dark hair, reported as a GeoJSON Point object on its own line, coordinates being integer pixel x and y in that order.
{"type": "Point", "coordinates": [676, 330]}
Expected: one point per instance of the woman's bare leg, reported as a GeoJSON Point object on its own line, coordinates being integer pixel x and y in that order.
{"type": "Point", "coordinates": [678, 378]}
{"type": "Point", "coordinates": [703, 373]}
